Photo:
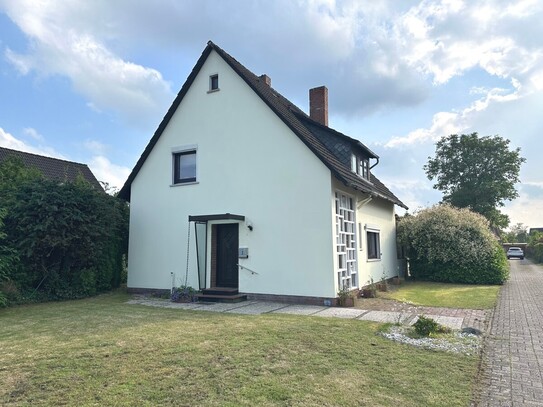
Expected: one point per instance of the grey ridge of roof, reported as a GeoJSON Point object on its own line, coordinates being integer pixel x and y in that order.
{"type": "Point", "coordinates": [53, 168]}
{"type": "Point", "coordinates": [290, 114]}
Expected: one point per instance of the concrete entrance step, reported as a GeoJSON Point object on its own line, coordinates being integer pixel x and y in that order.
{"type": "Point", "coordinates": [221, 294]}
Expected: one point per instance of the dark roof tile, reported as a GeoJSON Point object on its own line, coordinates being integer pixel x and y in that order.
{"type": "Point", "coordinates": [52, 168]}
{"type": "Point", "coordinates": [290, 114]}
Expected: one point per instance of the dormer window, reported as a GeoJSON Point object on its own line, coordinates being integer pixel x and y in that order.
{"type": "Point", "coordinates": [360, 166]}
{"type": "Point", "coordinates": [363, 169]}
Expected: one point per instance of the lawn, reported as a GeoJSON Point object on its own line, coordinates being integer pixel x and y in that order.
{"type": "Point", "coordinates": [102, 351]}
{"type": "Point", "coordinates": [445, 294]}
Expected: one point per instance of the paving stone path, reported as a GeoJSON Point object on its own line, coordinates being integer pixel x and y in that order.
{"type": "Point", "coordinates": [512, 366]}
{"type": "Point", "coordinates": [372, 310]}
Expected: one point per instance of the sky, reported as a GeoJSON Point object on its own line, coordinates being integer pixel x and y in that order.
{"type": "Point", "coordinates": [90, 81]}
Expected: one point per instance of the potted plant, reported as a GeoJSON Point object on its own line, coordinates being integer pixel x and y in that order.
{"type": "Point", "coordinates": [345, 297]}
{"type": "Point", "coordinates": [369, 291]}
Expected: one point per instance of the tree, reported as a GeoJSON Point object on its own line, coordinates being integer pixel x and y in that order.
{"type": "Point", "coordinates": [517, 234]}
{"type": "Point", "coordinates": [475, 172]}
{"type": "Point", "coordinates": [452, 245]}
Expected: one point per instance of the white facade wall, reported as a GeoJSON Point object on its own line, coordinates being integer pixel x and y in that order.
{"type": "Point", "coordinates": [376, 213]}
{"type": "Point", "coordinates": [248, 163]}
{"type": "Point", "coordinates": [380, 213]}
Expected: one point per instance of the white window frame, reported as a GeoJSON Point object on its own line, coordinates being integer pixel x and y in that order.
{"type": "Point", "coordinates": [354, 161]}
{"type": "Point", "coordinates": [360, 166]}
{"type": "Point", "coordinates": [180, 150]}
{"type": "Point", "coordinates": [377, 231]}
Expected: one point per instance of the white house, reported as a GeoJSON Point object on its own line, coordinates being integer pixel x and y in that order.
{"type": "Point", "coordinates": [239, 188]}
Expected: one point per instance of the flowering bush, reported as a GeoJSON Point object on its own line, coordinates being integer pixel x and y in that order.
{"type": "Point", "coordinates": [452, 245]}
{"type": "Point", "coordinates": [183, 293]}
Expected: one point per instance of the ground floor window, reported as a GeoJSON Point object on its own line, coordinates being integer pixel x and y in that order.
{"type": "Point", "coordinates": [374, 247]}
{"type": "Point", "coordinates": [345, 241]}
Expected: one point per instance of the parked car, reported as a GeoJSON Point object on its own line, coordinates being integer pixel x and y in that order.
{"type": "Point", "coordinates": [515, 252]}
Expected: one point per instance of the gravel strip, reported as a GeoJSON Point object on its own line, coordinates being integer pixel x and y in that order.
{"type": "Point", "coordinates": [456, 342]}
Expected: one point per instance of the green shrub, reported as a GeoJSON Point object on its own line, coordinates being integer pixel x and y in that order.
{"type": "Point", "coordinates": [67, 240]}
{"type": "Point", "coordinates": [427, 326]}
{"type": "Point", "coordinates": [452, 245]}
{"type": "Point", "coordinates": [534, 251]}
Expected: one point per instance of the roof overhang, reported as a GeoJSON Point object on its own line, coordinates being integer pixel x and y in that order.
{"type": "Point", "coordinates": [221, 216]}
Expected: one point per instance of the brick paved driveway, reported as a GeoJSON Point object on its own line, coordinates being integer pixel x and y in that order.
{"type": "Point", "coordinates": [512, 369]}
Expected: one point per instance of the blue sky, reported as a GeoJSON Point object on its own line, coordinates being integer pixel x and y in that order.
{"type": "Point", "coordinates": [90, 81]}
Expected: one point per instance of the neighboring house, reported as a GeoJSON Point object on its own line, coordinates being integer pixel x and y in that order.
{"type": "Point", "coordinates": [262, 197]}
{"type": "Point", "coordinates": [52, 168]}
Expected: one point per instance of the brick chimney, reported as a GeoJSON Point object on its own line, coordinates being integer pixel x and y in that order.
{"type": "Point", "coordinates": [266, 79]}
{"type": "Point", "coordinates": [318, 105]}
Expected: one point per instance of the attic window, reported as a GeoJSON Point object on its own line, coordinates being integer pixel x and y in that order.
{"type": "Point", "coordinates": [213, 82]}
{"type": "Point", "coordinates": [363, 169]}
{"type": "Point", "coordinates": [360, 166]}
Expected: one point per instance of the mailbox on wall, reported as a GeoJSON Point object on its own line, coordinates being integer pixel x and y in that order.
{"type": "Point", "coordinates": [243, 253]}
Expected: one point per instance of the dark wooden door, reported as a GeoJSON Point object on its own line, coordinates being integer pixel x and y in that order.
{"type": "Point", "coordinates": [227, 255]}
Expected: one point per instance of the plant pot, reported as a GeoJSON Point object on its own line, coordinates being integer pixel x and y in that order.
{"type": "Point", "coordinates": [346, 302]}
{"type": "Point", "coordinates": [368, 293]}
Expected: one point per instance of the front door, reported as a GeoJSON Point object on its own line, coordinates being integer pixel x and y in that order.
{"type": "Point", "coordinates": [227, 255]}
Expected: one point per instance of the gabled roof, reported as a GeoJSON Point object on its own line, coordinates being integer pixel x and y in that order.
{"type": "Point", "coordinates": [295, 119]}
{"type": "Point", "coordinates": [52, 168]}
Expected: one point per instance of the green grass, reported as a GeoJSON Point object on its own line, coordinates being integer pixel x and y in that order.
{"type": "Point", "coordinates": [101, 351]}
{"type": "Point", "coordinates": [445, 295]}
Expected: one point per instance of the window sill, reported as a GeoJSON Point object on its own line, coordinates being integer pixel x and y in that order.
{"type": "Point", "coordinates": [213, 90]}
{"type": "Point", "coordinates": [373, 260]}
{"type": "Point", "coordinates": [184, 183]}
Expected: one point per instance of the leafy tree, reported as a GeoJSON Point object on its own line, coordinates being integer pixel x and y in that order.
{"type": "Point", "coordinates": [517, 234]}
{"type": "Point", "coordinates": [453, 245]}
{"type": "Point", "coordinates": [475, 172]}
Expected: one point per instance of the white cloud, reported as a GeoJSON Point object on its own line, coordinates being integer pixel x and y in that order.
{"type": "Point", "coordinates": [29, 131]}
{"type": "Point", "coordinates": [445, 123]}
{"type": "Point", "coordinates": [525, 209]}
{"type": "Point", "coordinates": [105, 171]}
{"type": "Point", "coordinates": [95, 146]}
{"type": "Point", "coordinates": [373, 55]}
{"type": "Point", "coordinates": [445, 39]}
{"type": "Point", "coordinates": [102, 168]}
{"type": "Point", "coordinates": [9, 141]}
{"type": "Point", "coordinates": [59, 47]}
